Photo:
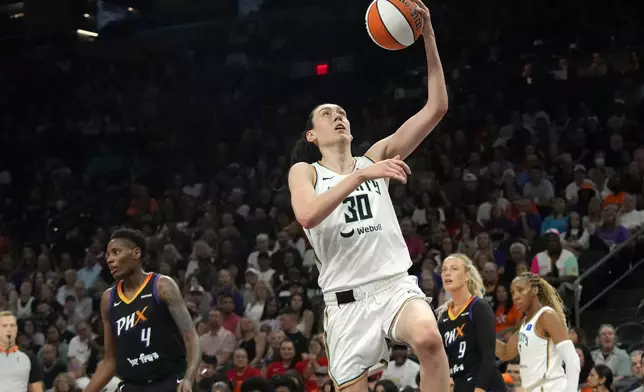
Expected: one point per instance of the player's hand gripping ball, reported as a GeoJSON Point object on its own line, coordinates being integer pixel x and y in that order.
{"type": "Point", "coordinates": [396, 24]}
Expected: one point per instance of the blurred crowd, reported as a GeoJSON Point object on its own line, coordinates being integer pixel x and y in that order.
{"type": "Point", "coordinates": [538, 166]}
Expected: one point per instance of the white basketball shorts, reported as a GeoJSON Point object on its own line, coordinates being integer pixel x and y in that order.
{"type": "Point", "coordinates": [355, 332]}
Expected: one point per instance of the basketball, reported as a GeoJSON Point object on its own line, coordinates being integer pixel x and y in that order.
{"type": "Point", "coordinates": [393, 24]}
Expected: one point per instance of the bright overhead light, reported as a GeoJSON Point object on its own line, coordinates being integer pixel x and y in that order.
{"type": "Point", "coordinates": [131, 9]}
{"type": "Point", "coordinates": [86, 33]}
{"type": "Point", "coordinates": [86, 15]}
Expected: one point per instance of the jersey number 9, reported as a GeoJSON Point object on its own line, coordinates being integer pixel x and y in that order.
{"type": "Point", "coordinates": [461, 349]}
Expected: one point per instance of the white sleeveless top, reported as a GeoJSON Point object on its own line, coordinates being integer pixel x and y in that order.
{"type": "Point", "coordinates": [360, 241]}
{"type": "Point", "coordinates": [541, 364]}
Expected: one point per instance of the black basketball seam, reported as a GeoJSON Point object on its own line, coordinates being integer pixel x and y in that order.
{"type": "Point", "coordinates": [385, 26]}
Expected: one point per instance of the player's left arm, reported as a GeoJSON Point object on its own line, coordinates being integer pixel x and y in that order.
{"type": "Point", "coordinates": [409, 136]}
{"type": "Point", "coordinates": [170, 294]}
{"type": "Point", "coordinates": [484, 326]}
{"type": "Point", "coordinates": [556, 329]}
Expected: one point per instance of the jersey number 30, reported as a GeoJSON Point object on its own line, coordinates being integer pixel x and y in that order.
{"type": "Point", "coordinates": [145, 336]}
{"type": "Point", "coordinates": [358, 208]}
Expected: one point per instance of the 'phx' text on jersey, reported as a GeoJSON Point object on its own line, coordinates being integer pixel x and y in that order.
{"type": "Point", "coordinates": [149, 346]}
{"type": "Point", "coordinates": [462, 347]}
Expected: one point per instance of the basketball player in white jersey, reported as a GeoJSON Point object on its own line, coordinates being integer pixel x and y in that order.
{"type": "Point", "coordinates": [343, 204]}
{"type": "Point", "coordinates": [542, 341]}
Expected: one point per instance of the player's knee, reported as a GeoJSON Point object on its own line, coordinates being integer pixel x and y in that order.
{"type": "Point", "coordinates": [428, 341]}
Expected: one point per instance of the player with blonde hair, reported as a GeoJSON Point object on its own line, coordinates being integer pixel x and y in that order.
{"type": "Point", "coordinates": [542, 341]}
{"type": "Point", "coordinates": [467, 325]}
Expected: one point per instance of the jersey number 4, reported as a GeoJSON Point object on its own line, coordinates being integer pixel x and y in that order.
{"type": "Point", "coordinates": [145, 336]}
{"type": "Point", "coordinates": [358, 208]}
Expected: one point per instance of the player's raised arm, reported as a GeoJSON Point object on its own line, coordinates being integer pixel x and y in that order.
{"type": "Point", "coordinates": [170, 294]}
{"type": "Point", "coordinates": [405, 140]}
{"type": "Point", "coordinates": [509, 350]}
{"type": "Point", "coordinates": [556, 329]}
{"type": "Point", "coordinates": [107, 367]}
{"type": "Point", "coordinates": [311, 209]}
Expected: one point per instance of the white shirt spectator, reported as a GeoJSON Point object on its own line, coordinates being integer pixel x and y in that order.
{"type": "Point", "coordinates": [24, 311]}
{"type": "Point", "coordinates": [485, 209]}
{"type": "Point", "coordinates": [79, 349]}
{"type": "Point", "coordinates": [64, 292]}
{"type": "Point", "coordinates": [267, 276]}
{"type": "Point", "coordinates": [254, 311]}
{"type": "Point", "coordinates": [632, 219]}
{"type": "Point", "coordinates": [572, 189]}
{"type": "Point", "coordinates": [90, 275]}
{"type": "Point", "coordinates": [403, 376]}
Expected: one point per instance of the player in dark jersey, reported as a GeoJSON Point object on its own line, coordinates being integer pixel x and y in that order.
{"type": "Point", "coordinates": [150, 339]}
{"type": "Point", "coordinates": [467, 325]}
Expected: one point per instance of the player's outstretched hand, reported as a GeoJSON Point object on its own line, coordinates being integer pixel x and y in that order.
{"type": "Point", "coordinates": [422, 9]}
{"type": "Point", "coordinates": [185, 386]}
{"type": "Point", "coordinates": [394, 168]}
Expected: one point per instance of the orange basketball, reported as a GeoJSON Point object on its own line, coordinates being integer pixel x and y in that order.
{"type": "Point", "coordinates": [393, 24]}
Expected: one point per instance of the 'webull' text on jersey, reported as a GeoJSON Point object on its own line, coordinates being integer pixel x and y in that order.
{"type": "Point", "coordinates": [361, 240]}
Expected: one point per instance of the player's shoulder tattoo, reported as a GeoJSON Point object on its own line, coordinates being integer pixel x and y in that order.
{"type": "Point", "coordinates": [170, 294]}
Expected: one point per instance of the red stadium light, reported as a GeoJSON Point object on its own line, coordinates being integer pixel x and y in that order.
{"type": "Point", "coordinates": [322, 69]}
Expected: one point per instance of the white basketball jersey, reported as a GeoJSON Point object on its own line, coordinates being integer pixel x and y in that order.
{"type": "Point", "coordinates": [360, 241]}
{"type": "Point", "coordinates": [541, 364]}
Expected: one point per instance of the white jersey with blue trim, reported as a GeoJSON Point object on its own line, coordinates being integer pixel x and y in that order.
{"type": "Point", "coordinates": [360, 241]}
{"type": "Point", "coordinates": [541, 365]}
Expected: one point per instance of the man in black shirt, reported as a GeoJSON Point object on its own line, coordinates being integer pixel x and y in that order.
{"type": "Point", "coordinates": [149, 334]}
{"type": "Point", "coordinates": [52, 367]}
{"type": "Point", "coordinates": [288, 324]}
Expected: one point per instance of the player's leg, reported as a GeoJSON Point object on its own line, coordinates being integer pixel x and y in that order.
{"type": "Point", "coordinates": [353, 345]}
{"type": "Point", "coordinates": [413, 322]}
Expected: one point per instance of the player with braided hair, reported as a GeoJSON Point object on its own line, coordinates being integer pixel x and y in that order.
{"type": "Point", "coordinates": [542, 341]}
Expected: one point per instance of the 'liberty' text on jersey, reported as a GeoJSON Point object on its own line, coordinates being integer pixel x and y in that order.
{"type": "Point", "coordinates": [361, 240]}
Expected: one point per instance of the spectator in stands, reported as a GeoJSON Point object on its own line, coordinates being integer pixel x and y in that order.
{"type": "Point", "coordinates": [288, 357]}
{"type": "Point", "coordinates": [67, 289]}
{"type": "Point", "coordinates": [401, 370]}
{"type": "Point", "coordinates": [513, 369]}
{"type": "Point", "coordinates": [575, 237]}
{"type": "Point", "coordinates": [555, 263]}
{"type": "Point", "coordinates": [594, 216]}
{"type": "Point", "coordinates": [637, 385]}
{"type": "Point", "coordinates": [288, 323]}
{"type": "Point", "coordinates": [630, 218]}
{"type": "Point", "coordinates": [601, 378]}
{"type": "Point", "coordinates": [217, 342]}
{"type": "Point", "coordinates": [610, 355]}
{"type": "Point", "coordinates": [558, 219]}
{"type": "Point", "coordinates": [586, 364]}
{"type": "Point", "coordinates": [242, 369]}
{"type": "Point", "coordinates": [611, 232]}
{"type": "Point", "coordinates": [507, 314]}
{"type": "Point", "coordinates": [636, 364]}
{"type": "Point", "coordinates": [51, 364]}
{"type": "Point", "coordinates": [580, 182]}
{"type": "Point", "coordinates": [80, 345]}
{"type": "Point", "coordinates": [262, 243]}
{"type": "Point", "coordinates": [252, 341]}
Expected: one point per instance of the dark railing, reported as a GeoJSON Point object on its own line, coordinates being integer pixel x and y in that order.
{"type": "Point", "coordinates": [578, 308]}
